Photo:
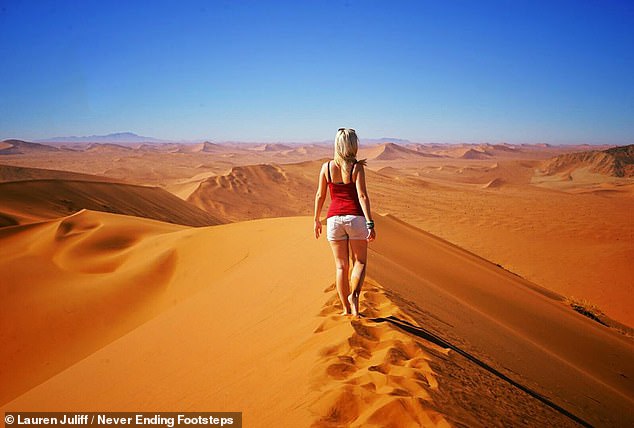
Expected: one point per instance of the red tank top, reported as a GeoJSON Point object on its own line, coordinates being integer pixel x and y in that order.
{"type": "Point", "coordinates": [344, 199]}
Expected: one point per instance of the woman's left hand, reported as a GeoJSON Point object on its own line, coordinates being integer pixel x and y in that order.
{"type": "Point", "coordinates": [317, 229]}
{"type": "Point", "coordinates": [371, 235]}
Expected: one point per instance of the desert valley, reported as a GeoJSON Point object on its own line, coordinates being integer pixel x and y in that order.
{"type": "Point", "coordinates": [174, 276]}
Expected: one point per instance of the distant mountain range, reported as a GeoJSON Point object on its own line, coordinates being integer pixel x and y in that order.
{"type": "Point", "coordinates": [130, 137]}
{"type": "Point", "coordinates": [117, 137]}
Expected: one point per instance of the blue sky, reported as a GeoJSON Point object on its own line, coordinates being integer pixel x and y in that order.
{"type": "Point", "coordinates": [429, 71]}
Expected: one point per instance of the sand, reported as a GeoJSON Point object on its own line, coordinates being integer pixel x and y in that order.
{"type": "Point", "coordinates": [33, 200]}
{"type": "Point", "coordinates": [464, 320]}
{"type": "Point", "coordinates": [288, 338]}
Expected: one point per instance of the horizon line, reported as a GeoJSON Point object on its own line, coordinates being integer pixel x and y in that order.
{"type": "Point", "coordinates": [394, 140]}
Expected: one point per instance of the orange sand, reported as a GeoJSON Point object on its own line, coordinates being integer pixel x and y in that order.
{"type": "Point", "coordinates": [116, 312]}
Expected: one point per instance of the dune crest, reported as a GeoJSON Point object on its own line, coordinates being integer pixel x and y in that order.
{"type": "Point", "coordinates": [475, 154]}
{"type": "Point", "coordinates": [392, 151]}
{"type": "Point", "coordinates": [58, 270]}
{"type": "Point", "coordinates": [18, 173]}
{"type": "Point", "coordinates": [615, 162]}
{"type": "Point", "coordinates": [19, 147]}
{"type": "Point", "coordinates": [494, 184]}
{"type": "Point", "coordinates": [480, 306]}
{"type": "Point", "coordinates": [204, 147]}
{"type": "Point", "coordinates": [376, 375]}
{"type": "Point", "coordinates": [271, 147]}
{"type": "Point", "coordinates": [258, 191]}
{"type": "Point", "coordinates": [35, 200]}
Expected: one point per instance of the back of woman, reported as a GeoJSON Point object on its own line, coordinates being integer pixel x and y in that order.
{"type": "Point", "coordinates": [349, 218]}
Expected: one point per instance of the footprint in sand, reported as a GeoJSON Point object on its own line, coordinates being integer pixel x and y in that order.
{"type": "Point", "coordinates": [376, 375]}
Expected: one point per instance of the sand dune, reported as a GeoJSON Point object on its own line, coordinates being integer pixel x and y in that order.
{"type": "Point", "coordinates": [494, 184]}
{"type": "Point", "coordinates": [88, 279]}
{"type": "Point", "coordinates": [164, 165]}
{"type": "Point", "coordinates": [500, 151]}
{"type": "Point", "coordinates": [480, 173]}
{"type": "Point", "coordinates": [18, 173]}
{"type": "Point", "coordinates": [475, 154]}
{"type": "Point", "coordinates": [19, 147]}
{"type": "Point", "coordinates": [616, 162]}
{"type": "Point", "coordinates": [271, 147]}
{"type": "Point", "coordinates": [574, 244]}
{"type": "Point", "coordinates": [589, 171]}
{"type": "Point", "coordinates": [391, 151]}
{"type": "Point", "coordinates": [439, 155]}
{"type": "Point", "coordinates": [184, 188]}
{"type": "Point", "coordinates": [259, 191]}
{"type": "Point", "coordinates": [204, 147]}
{"type": "Point", "coordinates": [516, 325]}
{"type": "Point", "coordinates": [391, 172]}
{"type": "Point", "coordinates": [488, 208]}
{"type": "Point", "coordinates": [250, 319]}
{"type": "Point", "coordinates": [34, 200]}
{"type": "Point", "coordinates": [223, 264]}
{"type": "Point", "coordinates": [447, 338]}
{"type": "Point", "coordinates": [209, 147]}
{"type": "Point", "coordinates": [107, 147]}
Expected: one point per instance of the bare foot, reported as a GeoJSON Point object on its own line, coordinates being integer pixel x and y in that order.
{"type": "Point", "coordinates": [354, 304]}
{"type": "Point", "coordinates": [346, 309]}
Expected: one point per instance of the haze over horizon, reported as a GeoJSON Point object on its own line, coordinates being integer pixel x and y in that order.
{"type": "Point", "coordinates": [128, 137]}
{"type": "Point", "coordinates": [284, 71]}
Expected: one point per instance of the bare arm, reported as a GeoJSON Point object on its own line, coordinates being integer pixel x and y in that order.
{"type": "Point", "coordinates": [362, 191]}
{"type": "Point", "coordinates": [320, 198]}
{"type": "Point", "coordinates": [364, 199]}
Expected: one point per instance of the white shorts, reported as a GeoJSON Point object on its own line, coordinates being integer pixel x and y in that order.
{"type": "Point", "coordinates": [340, 227]}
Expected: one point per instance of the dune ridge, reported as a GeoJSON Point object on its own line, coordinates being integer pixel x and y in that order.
{"type": "Point", "coordinates": [492, 209]}
{"type": "Point", "coordinates": [363, 372]}
{"type": "Point", "coordinates": [204, 147]}
{"type": "Point", "coordinates": [508, 224]}
{"type": "Point", "coordinates": [475, 154]}
{"type": "Point", "coordinates": [392, 151]}
{"type": "Point", "coordinates": [256, 191]}
{"type": "Point", "coordinates": [390, 372]}
{"type": "Point", "coordinates": [515, 326]}
{"type": "Point", "coordinates": [35, 200]}
{"type": "Point", "coordinates": [221, 270]}
{"type": "Point", "coordinates": [19, 147]}
{"type": "Point", "coordinates": [382, 375]}
{"type": "Point", "coordinates": [450, 333]}
{"type": "Point", "coordinates": [616, 162]}
{"type": "Point", "coordinates": [18, 173]}
{"type": "Point", "coordinates": [87, 279]}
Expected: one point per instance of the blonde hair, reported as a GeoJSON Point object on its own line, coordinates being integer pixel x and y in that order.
{"type": "Point", "coordinates": [346, 146]}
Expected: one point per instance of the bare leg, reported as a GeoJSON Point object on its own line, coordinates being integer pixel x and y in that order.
{"type": "Point", "coordinates": [340, 252]}
{"type": "Point", "coordinates": [359, 250]}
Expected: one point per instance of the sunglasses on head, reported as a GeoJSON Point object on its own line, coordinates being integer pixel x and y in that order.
{"type": "Point", "coordinates": [343, 129]}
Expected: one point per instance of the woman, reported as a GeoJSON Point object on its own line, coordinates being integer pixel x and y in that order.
{"type": "Point", "coordinates": [349, 220]}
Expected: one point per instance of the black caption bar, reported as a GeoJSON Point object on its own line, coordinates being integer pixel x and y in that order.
{"type": "Point", "coordinates": [118, 419]}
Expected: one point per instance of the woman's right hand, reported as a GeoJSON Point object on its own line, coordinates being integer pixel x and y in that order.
{"type": "Point", "coordinates": [371, 235]}
{"type": "Point", "coordinates": [317, 229]}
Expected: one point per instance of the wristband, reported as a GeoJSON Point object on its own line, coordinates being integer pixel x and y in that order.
{"type": "Point", "coordinates": [369, 224]}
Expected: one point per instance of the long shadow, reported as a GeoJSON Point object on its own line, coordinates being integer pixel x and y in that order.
{"type": "Point", "coordinates": [431, 337]}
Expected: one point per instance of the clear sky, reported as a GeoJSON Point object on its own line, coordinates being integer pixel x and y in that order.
{"type": "Point", "coordinates": [431, 71]}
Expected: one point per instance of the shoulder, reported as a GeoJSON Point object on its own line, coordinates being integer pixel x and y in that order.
{"type": "Point", "coordinates": [324, 171]}
{"type": "Point", "coordinates": [358, 170]}
{"type": "Point", "coordinates": [358, 166]}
